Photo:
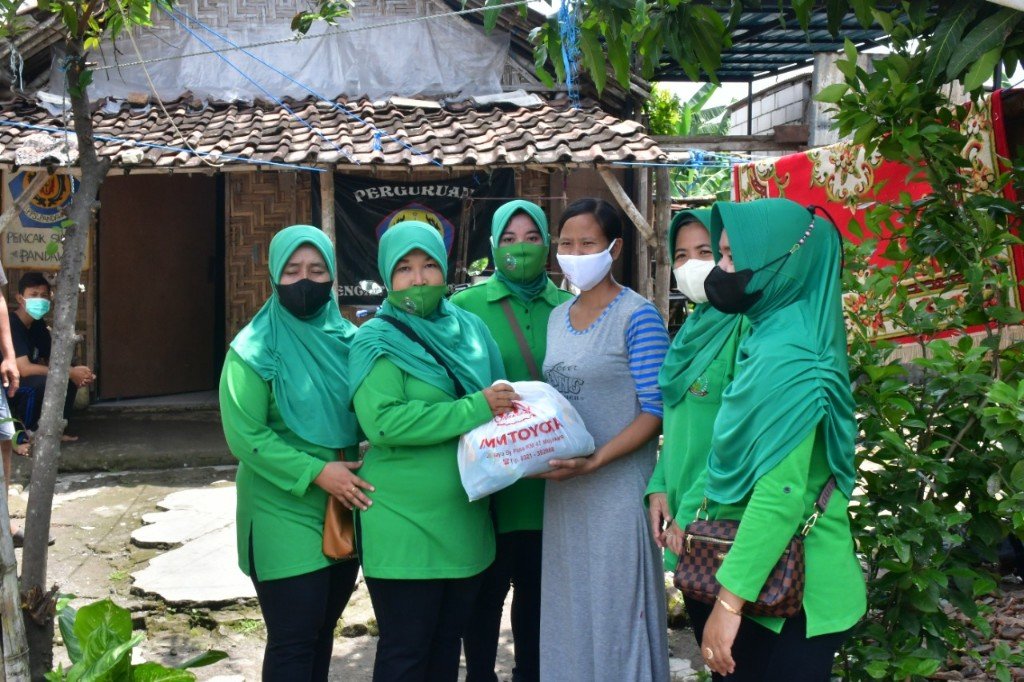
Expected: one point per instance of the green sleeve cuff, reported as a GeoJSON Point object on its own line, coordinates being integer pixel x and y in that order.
{"type": "Point", "coordinates": [302, 483]}
{"type": "Point", "coordinates": [481, 408]}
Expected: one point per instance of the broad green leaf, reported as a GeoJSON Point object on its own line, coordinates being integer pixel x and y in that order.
{"type": "Point", "coordinates": [946, 40]}
{"type": "Point", "coordinates": [66, 623]}
{"type": "Point", "coordinates": [206, 658]}
{"type": "Point", "coordinates": [1017, 476]}
{"type": "Point", "coordinates": [1003, 393]}
{"type": "Point", "coordinates": [491, 15]}
{"type": "Point", "coordinates": [831, 94]}
{"type": "Point", "coordinates": [618, 55]}
{"type": "Point", "coordinates": [984, 585]}
{"type": "Point", "coordinates": [103, 613]}
{"type": "Point", "coordinates": [989, 34]}
{"type": "Point", "coordinates": [982, 70]}
{"type": "Point", "coordinates": [113, 665]}
{"type": "Point", "coordinates": [593, 57]}
{"type": "Point", "coordinates": [154, 672]}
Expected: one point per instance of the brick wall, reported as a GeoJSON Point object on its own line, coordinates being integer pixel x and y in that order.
{"type": "Point", "coordinates": [787, 102]}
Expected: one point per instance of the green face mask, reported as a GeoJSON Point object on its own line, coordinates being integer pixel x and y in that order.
{"type": "Point", "coordinates": [522, 262]}
{"type": "Point", "coordinates": [419, 300]}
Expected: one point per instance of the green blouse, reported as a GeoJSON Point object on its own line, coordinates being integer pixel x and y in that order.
{"type": "Point", "coordinates": [279, 506]}
{"type": "Point", "coordinates": [421, 524]}
{"type": "Point", "coordinates": [681, 470]}
{"type": "Point", "coordinates": [521, 505]}
{"type": "Point", "coordinates": [781, 501]}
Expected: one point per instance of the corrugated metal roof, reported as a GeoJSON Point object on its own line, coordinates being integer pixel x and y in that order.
{"type": "Point", "coordinates": [767, 43]}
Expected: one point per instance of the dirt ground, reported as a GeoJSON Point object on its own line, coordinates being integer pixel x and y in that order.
{"type": "Point", "coordinates": [93, 558]}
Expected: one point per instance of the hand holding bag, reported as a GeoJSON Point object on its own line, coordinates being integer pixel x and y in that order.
{"type": "Point", "coordinates": [706, 543]}
{"type": "Point", "coordinates": [339, 530]}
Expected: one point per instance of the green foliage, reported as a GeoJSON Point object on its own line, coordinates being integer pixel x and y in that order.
{"type": "Point", "coordinates": [329, 11]}
{"type": "Point", "coordinates": [942, 470]}
{"type": "Point", "coordinates": [99, 641]}
{"type": "Point", "coordinates": [667, 115]}
{"type": "Point", "coordinates": [960, 36]}
{"type": "Point", "coordinates": [626, 34]}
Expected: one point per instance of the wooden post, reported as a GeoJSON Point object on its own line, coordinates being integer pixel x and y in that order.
{"type": "Point", "coordinates": [644, 278]}
{"type": "Point", "coordinates": [626, 204]}
{"type": "Point", "coordinates": [12, 211]}
{"type": "Point", "coordinates": [662, 260]}
{"type": "Point", "coordinates": [327, 204]}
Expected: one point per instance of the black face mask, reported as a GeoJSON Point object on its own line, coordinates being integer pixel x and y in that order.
{"type": "Point", "coordinates": [727, 290]}
{"type": "Point", "coordinates": [304, 298]}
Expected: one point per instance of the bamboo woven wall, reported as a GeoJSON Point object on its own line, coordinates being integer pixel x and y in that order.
{"type": "Point", "coordinates": [258, 204]}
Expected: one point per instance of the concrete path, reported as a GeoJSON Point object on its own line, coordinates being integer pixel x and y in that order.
{"type": "Point", "coordinates": [161, 543]}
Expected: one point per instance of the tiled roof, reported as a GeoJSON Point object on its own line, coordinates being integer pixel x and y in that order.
{"type": "Point", "coordinates": [455, 134]}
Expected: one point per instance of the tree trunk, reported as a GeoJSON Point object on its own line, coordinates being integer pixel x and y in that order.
{"type": "Point", "coordinates": [40, 602]}
{"type": "Point", "coordinates": [15, 658]}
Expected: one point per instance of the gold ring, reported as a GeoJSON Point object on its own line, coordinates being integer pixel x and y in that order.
{"type": "Point", "coordinates": [708, 653]}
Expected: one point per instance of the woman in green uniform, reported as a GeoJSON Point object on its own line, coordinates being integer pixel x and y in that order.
{"type": "Point", "coordinates": [515, 305]}
{"type": "Point", "coordinates": [284, 403]}
{"type": "Point", "coordinates": [422, 371]}
{"type": "Point", "coordinates": [785, 430]}
{"type": "Point", "coordinates": [699, 365]}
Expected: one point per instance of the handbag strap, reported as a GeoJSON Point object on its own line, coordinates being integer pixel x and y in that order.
{"type": "Point", "coordinates": [820, 505]}
{"type": "Point", "coordinates": [460, 390]}
{"type": "Point", "coordinates": [524, 349]}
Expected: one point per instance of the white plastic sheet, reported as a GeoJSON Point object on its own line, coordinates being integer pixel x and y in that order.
{"type": "Point", "coordinates": [445, 56]}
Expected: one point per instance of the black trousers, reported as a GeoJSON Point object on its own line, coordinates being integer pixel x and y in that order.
{"type": "Point", "coordinates": [27, 403]}
{"type": "Point", "coordinates": [421, 624]}
{"type": "Point", "coordinates": [763, 656]}
{"type": "Point", "coordinates": [300, 614]}
{"type": "Point", "coordinates": [517, 562]}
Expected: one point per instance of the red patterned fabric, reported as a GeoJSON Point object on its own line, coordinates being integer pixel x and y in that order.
{"type": "Point", "coordinates": [846, 181]}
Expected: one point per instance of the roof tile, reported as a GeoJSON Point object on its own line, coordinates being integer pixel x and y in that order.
{"type": "Point", "coordinates": [456, 134]}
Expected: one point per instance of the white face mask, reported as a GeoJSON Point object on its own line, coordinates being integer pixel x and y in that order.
{"type": "Point", "coordinates": [585, 272]}
{"type": "Point", "coordinates": [690, 278]}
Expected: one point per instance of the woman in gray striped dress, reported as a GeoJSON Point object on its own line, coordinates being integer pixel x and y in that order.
{"type": "Point", "coordinates": [603, 590]}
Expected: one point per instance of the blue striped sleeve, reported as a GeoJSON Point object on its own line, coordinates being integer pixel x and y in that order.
{"type": "Point", "coordinates": [646, 344]}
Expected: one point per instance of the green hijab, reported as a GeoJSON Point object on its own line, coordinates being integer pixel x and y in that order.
{"type": "Point", "coordinates": [701, 337]}
{"type": "Point", "coordinates": [526, 291]}
{"type": "Point", "coordinates": [305, 361]}
{"type": "Point", "coordinates": [792, 373]}
{"type": "Point", "coordinates": [459, 337]}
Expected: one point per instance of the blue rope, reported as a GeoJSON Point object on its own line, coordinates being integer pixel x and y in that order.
{"type": "Point", "coordinates": [265, 91]}
{"type": "Point", "coordinates": [568, 26]}
{"type": "Point", "coordinates": [378, 133]}
{"type": "Point", "coordinates": [640, 164]}
{"type": "Point", "coordinates": [153, 145]}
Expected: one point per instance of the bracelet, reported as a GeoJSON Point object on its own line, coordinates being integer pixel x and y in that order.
{"type": "Point", "coordinates": [729, 607]}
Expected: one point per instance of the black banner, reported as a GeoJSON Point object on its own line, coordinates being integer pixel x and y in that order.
{"type": "Point", "coordinates": [460, 209]}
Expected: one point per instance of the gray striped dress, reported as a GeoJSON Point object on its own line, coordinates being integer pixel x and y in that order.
{"type": "Point", "coordinates": [602, 587]}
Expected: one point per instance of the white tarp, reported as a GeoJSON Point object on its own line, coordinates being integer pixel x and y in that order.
{"type": "Point", "coordinates": [443, 56]}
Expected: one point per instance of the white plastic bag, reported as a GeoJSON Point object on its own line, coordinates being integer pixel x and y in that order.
{"type": "Point", "coordinates": [544, 426]}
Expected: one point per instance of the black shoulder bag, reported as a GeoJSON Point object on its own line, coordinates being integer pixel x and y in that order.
{"type": "Point", "coordinates": [460, 390]}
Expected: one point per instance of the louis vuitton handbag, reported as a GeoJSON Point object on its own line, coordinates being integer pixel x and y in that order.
{"type": "Point", "coordinates": [706, 543]}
